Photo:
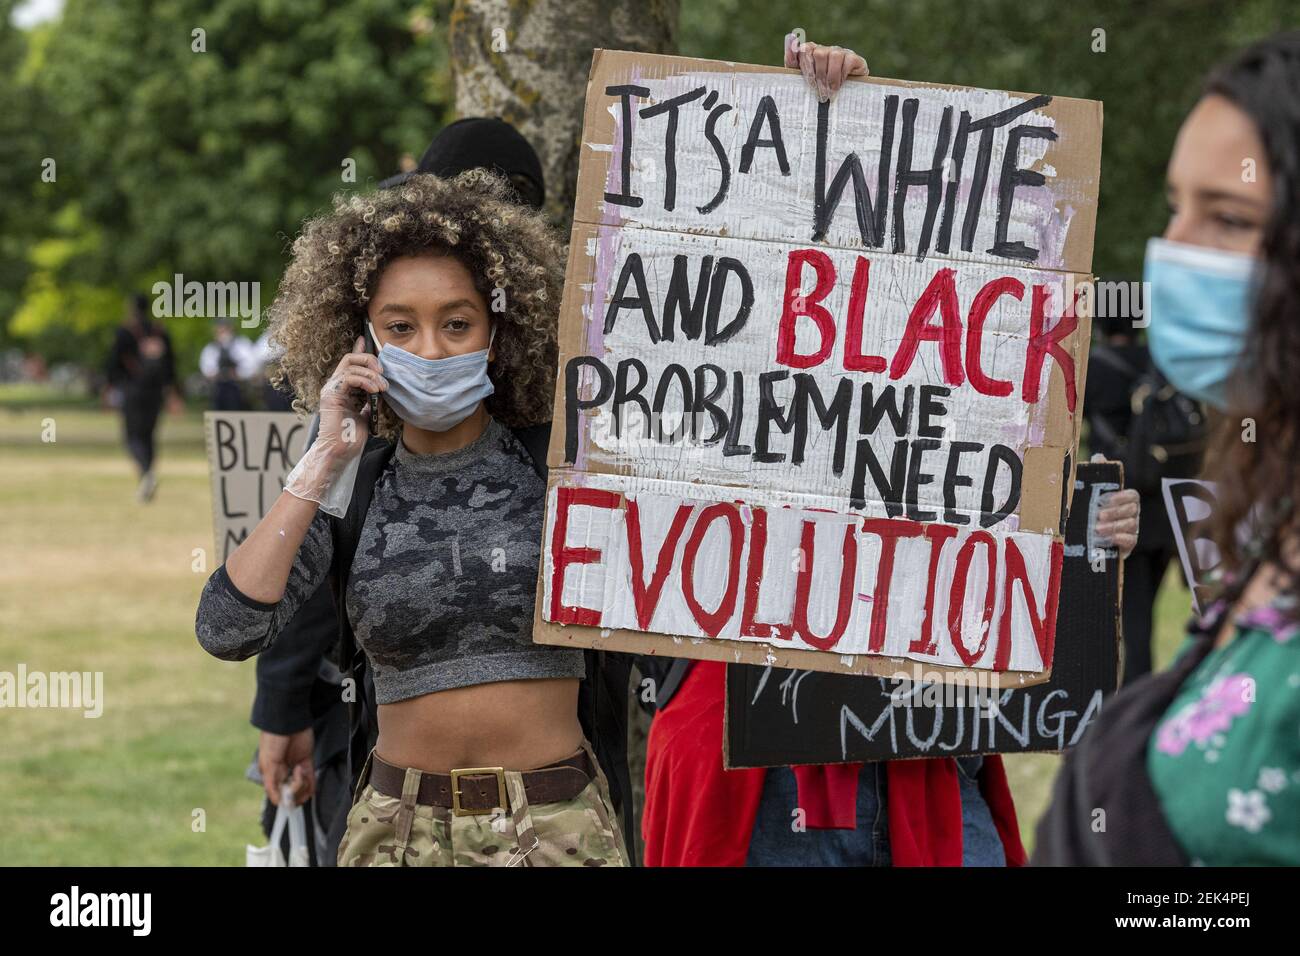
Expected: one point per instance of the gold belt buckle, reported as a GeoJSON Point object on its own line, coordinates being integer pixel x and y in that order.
{"type": "Point", "coordinates": [498, 772]}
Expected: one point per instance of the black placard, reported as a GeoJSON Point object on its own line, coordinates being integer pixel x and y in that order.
{"type": "Point", "coordinates": [779, 717]}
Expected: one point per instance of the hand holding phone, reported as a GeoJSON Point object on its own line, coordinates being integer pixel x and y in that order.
{"type": "Point", "coordinates": [373, 348]}
{"type": "Point", "coordinates": [327, 470]}
{"type": "Point", "coordinates": [345, 399]}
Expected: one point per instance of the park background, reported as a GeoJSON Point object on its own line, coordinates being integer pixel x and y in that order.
{"type": "Point", "coordinates": [169, 160]}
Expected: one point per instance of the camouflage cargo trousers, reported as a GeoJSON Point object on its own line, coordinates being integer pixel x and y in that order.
{"type": "Point", "coordinates": [397, 831]}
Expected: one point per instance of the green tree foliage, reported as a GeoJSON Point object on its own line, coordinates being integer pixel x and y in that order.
{"type": "Point", "coordinates": [65, 319]}
{"type": "Point", "coordinates": [194, 136]}
{"type": "Point", "coordinates": [23, 124]}
{"type": "Point", "coordinates": [203, 158]}
{"type": "Point", "coordinates": [1156, 55]}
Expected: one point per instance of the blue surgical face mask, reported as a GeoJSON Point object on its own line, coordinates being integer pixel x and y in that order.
{"type": "Point", "coordinates": [435, 394]}
{"type": "Point", "coordinates": [1198, 306]}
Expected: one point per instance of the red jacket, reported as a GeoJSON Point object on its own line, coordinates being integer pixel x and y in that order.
{"type": "Point", "coordinates": [697, 814]}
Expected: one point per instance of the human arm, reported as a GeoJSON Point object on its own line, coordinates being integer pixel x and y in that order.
{"type": "Point", "coordinates": [289, 670]}
{"type": "Point", "coordinates": [233, 624]}
{"type": "Point", "coordinates": [286, 557]}
{"type": "Point", "coordinates": [287, 673]}
{"type": "Point", "coordinates": [260, 566]}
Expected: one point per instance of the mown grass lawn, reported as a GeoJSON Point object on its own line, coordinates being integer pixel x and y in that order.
{"type": "Point", "coordinates": [92, 581]}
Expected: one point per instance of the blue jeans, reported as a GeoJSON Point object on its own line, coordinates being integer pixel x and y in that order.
{"type": "Point", "coordinates": [776, 843]}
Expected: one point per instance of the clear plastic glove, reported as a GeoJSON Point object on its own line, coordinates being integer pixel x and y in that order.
{"type": "Point", "coordinates": [328, 469]}
{"type": "Point", "coordinates": [1117, 519]}
{"type": "Point", "coordinates": [824, 67]}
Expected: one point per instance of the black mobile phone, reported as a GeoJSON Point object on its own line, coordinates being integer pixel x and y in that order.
{"type": "Point", "coordinates": [373, 349]}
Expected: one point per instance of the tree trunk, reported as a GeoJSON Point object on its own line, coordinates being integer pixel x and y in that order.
{"type": "Point", "coordinates": [526, 61]}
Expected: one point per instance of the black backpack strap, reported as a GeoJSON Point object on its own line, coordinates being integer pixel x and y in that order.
{"type": "Point", "coordinates": [672, 680]}
{"type": "Point", "coordinates": [665, 674]}
{"type": "Point", "coordinates": [536, 439]}
{"type": "Point", "coordinates": [346, 532]}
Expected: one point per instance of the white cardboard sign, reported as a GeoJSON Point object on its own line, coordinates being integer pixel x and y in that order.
{"type": "Point", "coordinates": [249, 456]}
{"type": "Point", "coordinates": [820, 371]}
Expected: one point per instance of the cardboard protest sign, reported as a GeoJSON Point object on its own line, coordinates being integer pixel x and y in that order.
{"type": "Point", "coordinates": [780, 717]}
{"type": "Point", "coordinates": [249, 456]}
{"type": "Point", "coordinates": [820, 370]}
{"type": "Point", "coordinates": [1188, 501]}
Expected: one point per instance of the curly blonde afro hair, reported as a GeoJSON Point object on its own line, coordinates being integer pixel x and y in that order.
{"type": "Point", "coordinates": [320, 308]}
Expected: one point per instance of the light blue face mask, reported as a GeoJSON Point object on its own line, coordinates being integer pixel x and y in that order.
{"type": "Point", "coordinates": [435, 394]}
{"type": "Point", "coordinates": [1198, 306]}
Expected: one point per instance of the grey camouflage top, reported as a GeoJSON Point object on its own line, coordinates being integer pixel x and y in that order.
{"type": "Point", "coordinates": [443, 583]}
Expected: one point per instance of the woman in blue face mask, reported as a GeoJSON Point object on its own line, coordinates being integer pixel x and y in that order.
{"type": "Point", "coordinates": [430, 528]}
{"type": "Point", "coordinates": [1201, 764]}
{"type": "Point", "coordinates": [1202, 273]}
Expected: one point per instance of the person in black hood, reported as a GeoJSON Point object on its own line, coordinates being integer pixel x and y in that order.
{"type": "Point", "coordinates": [480, 142]}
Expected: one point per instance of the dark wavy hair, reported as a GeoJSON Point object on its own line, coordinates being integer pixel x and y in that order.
{"type": "Point", "coordinates": [1259, 481]}
{"type": "Point", "coordinates": [509, 251]}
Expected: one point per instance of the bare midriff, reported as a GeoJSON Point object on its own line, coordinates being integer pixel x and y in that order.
{"type": "Point", "coordinates": [516, 725]}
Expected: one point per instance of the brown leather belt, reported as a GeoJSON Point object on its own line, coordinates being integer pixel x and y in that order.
{"type": "Point", "coordinates": [477, 790]}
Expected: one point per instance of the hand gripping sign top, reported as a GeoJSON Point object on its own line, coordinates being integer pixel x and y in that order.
{"type": "Point", "coordinates": [820, 370]}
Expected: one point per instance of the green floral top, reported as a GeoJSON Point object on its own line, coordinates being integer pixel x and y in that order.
{"type": "Point", "coordinates": [1225, 758]}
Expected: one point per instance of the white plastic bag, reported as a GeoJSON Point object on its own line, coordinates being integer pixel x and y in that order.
{"type": "Point", "coordinates": [286, 814]}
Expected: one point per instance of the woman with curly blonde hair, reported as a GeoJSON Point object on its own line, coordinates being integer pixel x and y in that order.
{"type": "Point", "coordinates": [430, 530]}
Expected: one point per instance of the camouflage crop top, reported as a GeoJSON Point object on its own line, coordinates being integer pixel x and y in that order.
{"type": "Point", "coordinates": [443, 583]}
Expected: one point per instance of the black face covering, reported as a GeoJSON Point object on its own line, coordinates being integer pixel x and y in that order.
{"type": "Point", "coordinates": [483, 143]}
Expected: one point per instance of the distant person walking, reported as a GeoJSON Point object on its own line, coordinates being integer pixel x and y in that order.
{"type": "Point", "coordinates": [225, 362]}
{"type": "Point", "coordinates": [142, 372]}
